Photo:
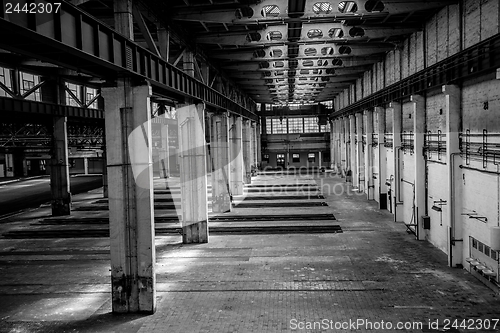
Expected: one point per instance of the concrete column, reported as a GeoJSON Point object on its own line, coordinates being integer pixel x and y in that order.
{"type": "Point", "coordinates": [360, 160]}
{"type": "Point", "coordinates": [332, 144]}
{"type": "Point", "coordinates": [247, 158]}
{"type": "Point", "coordinates": [454, 193]}
{"type": "Point", "coordinates": [164, 43]}
{"type": "Point", "coordinates": [396, 146]}
{"type": "Point", "coordinates": [130, 181]}
{"type": "Point", "coordinates": [104, 173]}
{"type": "Point", "coordinates": [419, 181]}
{"type": "Point", "coordinates": [124, 22]}
{"type": "Point", "coordinates": [188, 63]}
{"type": "Point", "coordinates": [253, 145]}
{"type": "Point", "coordinates": [259, 146]}
{"type": "Point", "coordinates": [236, 154]}
{"type": "Point", "coordinates": [340, 142]}
{"type": "Point", "coordinates": [164, 158]}
{"type": "Point", "coordinates": [369, 186]}
{"type": "Point", "coordinates": [193, 167]}
{"type": "Point", "coordinates": [382, 159]}
{"type": "Point", "coordinates": [346, 162]}
{"type": "Point", "coordinates": [319, 159]}
{"type": "Point", "coordinates": [59, 172]}
{"type": "Point", "coordinates": [352, 151]}
{"type": "Point", "coordinates": [85, 165]}
{"type": "Point", "coordinates": [219, 147]}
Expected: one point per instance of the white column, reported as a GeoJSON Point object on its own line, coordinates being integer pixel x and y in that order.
{"type": "Point", "coordinates": [236, 153]}
{"type": "Point", "coordinates": [454, 193]}
{"type": "Point", "coordinates": [333, 133]}
{"type": "Point", "coordinates": [130, 181]}
{"type": "Point", "coordinates": [382, 159]}
{"type": "Point", "coordinates": [219, 147]}
{"type": "Point", "coordinates": [59, 172]}
{"type": "Point", "coordinates": [193, 167]}
{"type": "Point", "coordinates": [419, 181]}
{"type": "Point", "coordinates": [369, 186]}
{"type": "Point", "coordinates": [85, 165]}
{"type": "Point", "coordinates": [360, 161]}
{"type": "Point", "coordinates": [352, 150]}
{"type": "Point", "coordinates": [345, 147]}
{"type": "Point", "coordinates": [247, 158]}
{"type": "Point", "coordinates": [164, 158]}
{"type": "Point", "coordinates": [396, 146]}
{"type": "Point", "coordinates": [259, 146]}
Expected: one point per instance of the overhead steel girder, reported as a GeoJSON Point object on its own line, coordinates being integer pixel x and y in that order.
{"type": "Point", "coordinates": [481, 58]}
{"type": "Point", "coordinates": [72, 38]}
{"type": "Point", "coordinates": [255, 15]}
{"type": "Point", "coordinates": [326, 32]}
{"type": "Point", "coordinates": [360, 32]}
{"type": "Point", "coordinates": [255, 68]}
{"type": "Point", "coordinates": [285, 82]}
{"type": "Point", "coordinates": [346, 60]}
{"type": "Point", "coordinates": [276, 35]}
{"type": "Point", "coordinates": [8, 105]}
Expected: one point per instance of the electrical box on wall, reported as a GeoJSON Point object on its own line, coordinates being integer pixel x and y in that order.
{"type": "Point", "coordinates": [426, 222]}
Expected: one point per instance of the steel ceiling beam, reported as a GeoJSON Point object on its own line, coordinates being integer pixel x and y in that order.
{"type": "Point", "coordinates": [73, 39]}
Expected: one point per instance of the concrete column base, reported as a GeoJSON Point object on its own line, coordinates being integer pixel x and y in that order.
{"type": "Point", "coordinates": [59, 175]}
{"type": "Point", "coordinates": [195, 233]}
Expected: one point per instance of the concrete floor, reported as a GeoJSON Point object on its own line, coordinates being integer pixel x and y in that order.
{"type": "Point", "coordinates": [372, 271]}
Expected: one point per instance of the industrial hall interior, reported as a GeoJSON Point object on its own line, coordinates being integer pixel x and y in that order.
{"type": "Point", "coordinates": [249, 166]}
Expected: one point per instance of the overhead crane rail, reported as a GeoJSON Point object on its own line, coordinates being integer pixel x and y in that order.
{"type": "Point", "coordinates": [483, 57]}
{"type": "Point", "coordinates": [74, 39]}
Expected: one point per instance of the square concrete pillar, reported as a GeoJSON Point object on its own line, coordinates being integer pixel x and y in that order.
{"type": "Point", "coordinates": [219, 148]}
{"type": "Point", "coordinates": [369, 186]}
{"type": "Point", "coordinates": [382, 160]}
{"type": "Point", "coordinates": [331, 144]}
{"type": "Point", "coordinates": [104, 172]}
{"type": "Point", "coordinates": [360, 160]}
{"type": "Point", "coordinates": [236, 156]}
{"type": "Point", "coordinates": [247, 154]}
{"type": "Point", "coordinates": [397, 206]}
{"type": "Point", "coordinates": [86, 165]}
{"type": "Point", "coordinates": [258, 152]}
{"type": "Point", "coordinates": [353, 166]}
{"type": "Point", "coordinates": [420, 177]}
{"type": "Point", "coordinates": [130, 182]}
{"type": "Point", "coordinates": [255, 135]}
{"type": "Point", "coordinates": [59, 169]}
{"type": "Point", "coordinates": [193, 168]}
{"type": "Point", "coordinates": [124, 21]}
{"type": "Point", "coordinates": [344, 147]}
{"type": "Point", "coordinates": [164, 151]}
{"type": "Point", "coordinates": [454, 195]}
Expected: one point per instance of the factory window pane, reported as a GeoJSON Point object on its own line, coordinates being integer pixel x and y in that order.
{"type": "Point", "coordinates": [28, 81]}
{"type": "Point", "coordinates": [5, 79]}
{"type": "Point", "coordinates": [311, 125]}
{"type": "Point", "coordinates": [270, 11]}
{"type": "Point", "coordinates": [76, 91]}
{"type": "Point", "coordinates": [348, 7]}
{"type": "Point", "coordinates": [279, 127]}
{"type": "Point", "coordinates": [269, 126]}
{"type": "Point", "coordinates": [295, 125]}
{"type": "Point", "coordinates": [91, 93]}
{"type": "Point", "coordinates": [322, 8]}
